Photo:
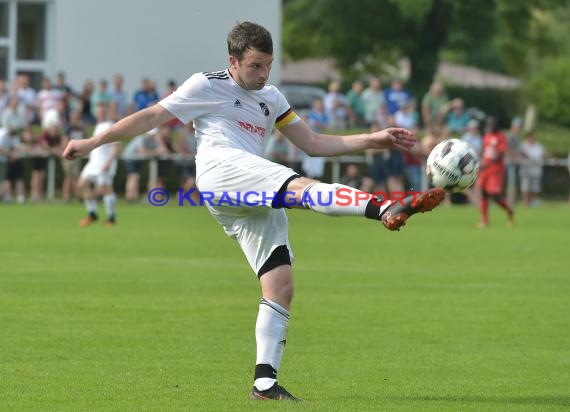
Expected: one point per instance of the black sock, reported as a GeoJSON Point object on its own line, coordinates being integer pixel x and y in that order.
{"type": "Point", "coordinates": [374, 208]}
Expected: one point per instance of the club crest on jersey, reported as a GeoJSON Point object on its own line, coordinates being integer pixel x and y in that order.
{"type": "Point", "coordinates": [264, 108]}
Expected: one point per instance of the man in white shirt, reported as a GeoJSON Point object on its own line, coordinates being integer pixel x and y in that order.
{"type": "Point", "coordinates": [233, 111]}
{"type": "Point", "coordinates": [532, 155]}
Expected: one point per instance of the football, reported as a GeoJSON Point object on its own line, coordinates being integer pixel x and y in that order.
{"type": "Point", "coordinates": [452, 165]}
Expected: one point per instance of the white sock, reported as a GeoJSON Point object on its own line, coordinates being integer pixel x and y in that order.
{"type": "Point", "coordinates": [270, 331]}
{"type": "Point", "coordinates": [110, 202]}
{"type": "Point", "coordinates": [338, 200]}
{"type": "Point", "coordinates": [90, 205]}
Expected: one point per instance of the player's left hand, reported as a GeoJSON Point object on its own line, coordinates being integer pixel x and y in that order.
{"type": "Point", "coordinates": [393, 137]}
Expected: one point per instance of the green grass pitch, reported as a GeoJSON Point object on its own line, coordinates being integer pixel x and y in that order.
{"type": "Point", "coordinates": [158, 313]}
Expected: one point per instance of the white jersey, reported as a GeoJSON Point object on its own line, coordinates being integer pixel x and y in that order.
{"type": "Point", "coordinates": [101, 155]}
{"type": "Point", "coordinates": [227, 118]}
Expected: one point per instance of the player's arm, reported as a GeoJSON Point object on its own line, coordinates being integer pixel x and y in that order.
{"type": "Point", "coordinates": [132, 125]}
{"type": "Point", "coordinates": [316, 144]}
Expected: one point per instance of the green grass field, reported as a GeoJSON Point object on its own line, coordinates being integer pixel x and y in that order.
{"type": "Point", "coordinates": [158, 313]}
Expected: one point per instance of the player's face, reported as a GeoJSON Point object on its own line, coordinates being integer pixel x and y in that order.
{"type": "Point", "coordinates": [252, 71]}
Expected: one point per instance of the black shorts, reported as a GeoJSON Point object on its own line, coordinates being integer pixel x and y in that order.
{"type": "Point", "coordinates": [132, 166]}
{"type": "Point", "coordinates": [39, 164]}
{"type": "Point", "coordinates": [15, 170]}
{"type": "Point", "coordinates": [377, 169]}
{"type": "Point", "coordinates": [164, 167]}
{"type": "Point", "coordinates": [187, 170]}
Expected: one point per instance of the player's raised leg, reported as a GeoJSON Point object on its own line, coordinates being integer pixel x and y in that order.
{"type": "Point", "coordinates": [340, 200]}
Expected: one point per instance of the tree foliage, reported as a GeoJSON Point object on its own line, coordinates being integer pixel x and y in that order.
{"type": "Point", "coordinates": [506, 35]}
{"type": "Point", "coordinates": [549, 88]}
{"type": "Point", "coordinates": [368, 33]}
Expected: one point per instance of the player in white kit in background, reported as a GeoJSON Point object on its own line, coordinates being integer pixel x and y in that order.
{"type": "Point", "coordinates": [233, 111]}
{"type": "Point", "coordinates": [96, 178]}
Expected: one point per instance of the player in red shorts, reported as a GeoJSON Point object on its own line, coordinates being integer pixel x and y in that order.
{"type": "Point", "coordinates": [492, 174]}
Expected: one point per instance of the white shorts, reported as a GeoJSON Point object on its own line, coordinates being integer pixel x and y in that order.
{"type": "Point", "coordinates": [99, 180]}
{"type": "Point", "coordinates": [92, 173]}
{"type": "Point", "coordinates": [257, 227]}
{"type": "Point", "coordinates": [531, 184]}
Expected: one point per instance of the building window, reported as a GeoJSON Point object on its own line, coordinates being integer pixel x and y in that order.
{"type": "Point", "coordinates": [31, 43]}
{"type": "Point", "coordinates": [3, 19]}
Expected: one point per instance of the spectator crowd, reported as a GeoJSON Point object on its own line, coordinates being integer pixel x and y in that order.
{"type": "Point", "coordinates": [37, 124]}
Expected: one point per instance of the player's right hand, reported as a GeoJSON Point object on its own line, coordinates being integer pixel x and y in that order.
{"type": "Point", "coordinates": [76, 149]}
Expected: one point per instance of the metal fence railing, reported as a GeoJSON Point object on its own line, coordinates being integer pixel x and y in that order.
{"type": "Point", "coordinates": [336, 164]}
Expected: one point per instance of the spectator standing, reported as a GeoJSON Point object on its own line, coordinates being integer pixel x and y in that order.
{"type": "Point", "coordinates": [512, 158]}
{"type": "Point", "coordinates": [336, 107]}
{"type": "Point", "coordinates": [119, 101]}
{"type": "Point", "coordinates": [396, 96]}
{"type": "Point", "coordinates": [132, 163]}
{"type": "Point", "coordinates": [408, 117]}
{"type": "Point", "coordinates": [395, 166]}
{"type": "Point", "coordinates": [101, 94]}
{"type": "Point", "coordinates": [472, 136]}
{"type": "Point", "coordinates": [171, 87]}
{"type": "Point", "coordinates": [187, 165]}
{"type": "Point", "coordinates": [67, 98]}
{"type": "Point", "coordinates": [49, 104]}
{"type": "Point", "coordinates": [319, 120]}
{"type": "Point", "coordinates": [51, 142]}
{"type": "Point", "coordinates": [432, 104]}
{"type": "Point", "coordinates": [85, 107]}
{"type": "Point", "coordinates": [356, 105]}
{"type": "Point", "coordinates": [164, 152]}
{"type": "Point", "coordinates": [13, 119]}
{"type": "Point", "coordinates": [75, 130]}
{"type": "Point", "coordinates": [4, 157]}
{"type": "Point", "coordinates": [457, 118]}
{"type": "Point", "coordinates": [532, 155]}
{"type": "Point", "coordinates": [376, 160]}
{"type": "Point", "coordinates": [27, 96]}
{"type": "Point", "coordinates": [62, 85]}
{"type": "Point", "coordinates": [146, 96]}
{"type": "Point", "coordinates": [375, 110]}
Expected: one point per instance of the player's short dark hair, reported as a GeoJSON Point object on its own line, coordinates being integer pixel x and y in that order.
{"type": "Point", "coordinates": [249, 35]}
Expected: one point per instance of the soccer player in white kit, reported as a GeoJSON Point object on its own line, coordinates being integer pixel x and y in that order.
{"type": "Point", "coordinates": [100, 171]}
{"type": "Point", "coordinates": [233, 110]}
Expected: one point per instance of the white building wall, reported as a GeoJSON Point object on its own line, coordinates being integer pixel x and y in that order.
{"type": "Point", "coordinates": [159, 39]}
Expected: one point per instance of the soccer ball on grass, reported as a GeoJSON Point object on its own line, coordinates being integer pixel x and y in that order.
{"type": "Point", "coordinates": [453, 165]}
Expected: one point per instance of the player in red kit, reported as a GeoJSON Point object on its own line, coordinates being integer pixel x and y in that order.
{"type": "Point", "coordinates": [492, 175]}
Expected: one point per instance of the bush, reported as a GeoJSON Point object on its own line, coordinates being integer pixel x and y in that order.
{"type": "Point", "coordinates": [549, 88]}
